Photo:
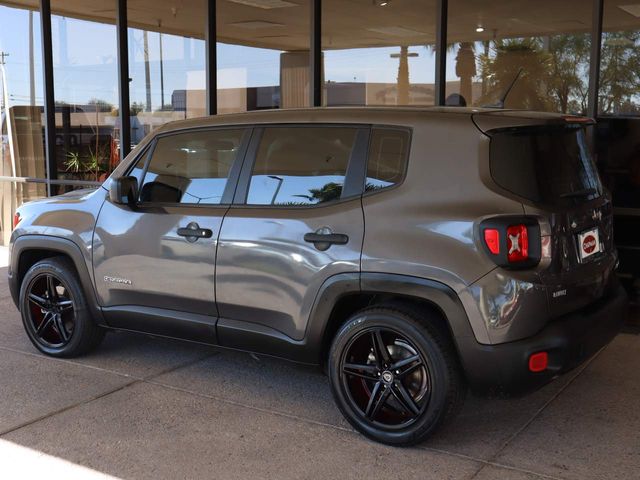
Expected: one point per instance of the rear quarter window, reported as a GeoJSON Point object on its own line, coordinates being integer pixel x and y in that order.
{"type": "Point", "coordinates": [388, 152]}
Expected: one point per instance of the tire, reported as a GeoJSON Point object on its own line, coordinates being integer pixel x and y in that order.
{"type": "Point", "coordinates": [370, 395]}
{"type": "Point", "coordinates": [63, 327]}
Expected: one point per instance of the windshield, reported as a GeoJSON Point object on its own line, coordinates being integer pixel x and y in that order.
{"type": "Point", "coordinates": [546, 164]}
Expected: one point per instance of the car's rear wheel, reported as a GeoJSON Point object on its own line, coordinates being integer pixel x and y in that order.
{"type": "Point", "coordinates": [394, 375]}
{"type": "Point", "coordinates": [54, 310]}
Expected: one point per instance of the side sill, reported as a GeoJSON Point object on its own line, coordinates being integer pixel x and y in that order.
{"type": "Point", "coordinates": [162, 322]}
{"type": "Point", "coordinates": [256, 338]}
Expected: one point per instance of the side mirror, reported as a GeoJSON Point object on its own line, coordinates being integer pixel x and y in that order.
{"type": "Point", "coordinates": [123, 190]}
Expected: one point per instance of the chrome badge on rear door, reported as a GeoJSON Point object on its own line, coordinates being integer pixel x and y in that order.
{"type": "Point", "coordinates": [123, 281]}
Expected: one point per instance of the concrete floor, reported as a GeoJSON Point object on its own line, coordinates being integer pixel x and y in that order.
{"type": "Point", "coordinates": [142, 407]}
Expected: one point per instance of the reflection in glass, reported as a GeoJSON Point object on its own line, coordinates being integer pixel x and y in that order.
{"type": "Point", "coordinates": [262, 55]}
{"type": "Point", "coordinates": [619, 125]}
{"type": "Point", "coordinates": [378, 53]}
{"type": "Point", "coordinates": [539, 53]}
{"type": "Point", "coordinates": [86, 98]}
{"type": "Point", "coordinates": [388, 152]}
{"type": "Point", "coordinates": [301, 166]}
{"type": "Point", "coordinates": [191, 167]}
{"type": "Point", "coordinates": [21, 111]}
{"type": "Point", "coordinates": [167, 79]}
{"type": "Point", "coordinates": [546, 165]}
{"type": "Point", "coordinates": [619, 84]}
{"type": "Point", "coordinates": [166, 63]}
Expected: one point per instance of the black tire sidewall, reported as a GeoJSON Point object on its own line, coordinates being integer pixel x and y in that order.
{"type": "Point", "coordinates": [430, 351]}
{"type": "Point", "coordinates": [60, 270]}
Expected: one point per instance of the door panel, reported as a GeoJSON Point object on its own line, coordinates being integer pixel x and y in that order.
{"type": "Point", "coordinates": [268, 274]}
{"type": "Point", "coordinates": [159, 255]}
{"type": "Point", "coordinates": [297, 182]}
{"type": "Point", "coordinates": [139, 258]}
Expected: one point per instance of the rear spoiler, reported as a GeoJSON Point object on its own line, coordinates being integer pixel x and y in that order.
{"type": "Point", "coordinates": [487, 121]}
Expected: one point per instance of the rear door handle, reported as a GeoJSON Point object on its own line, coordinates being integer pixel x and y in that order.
{"type": "Point", "coordinates": [337, 238]}
{"type": "Point", "coordinates": [193, 232]}
{"type": "Point", "coordinates": [323, 238]}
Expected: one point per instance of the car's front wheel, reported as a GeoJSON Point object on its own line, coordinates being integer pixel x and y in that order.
{"type": "Point", "coordinates": [394, 375]}
{"type": "Point", "coordinates": [54, 310]}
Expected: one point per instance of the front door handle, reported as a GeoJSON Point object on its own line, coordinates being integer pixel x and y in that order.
{"type": "Point", "coordinates": [323, 238]}
{"type": "Point", "coordinates": [193, 232]}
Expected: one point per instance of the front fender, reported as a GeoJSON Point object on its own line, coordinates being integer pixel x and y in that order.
{"type": "Point", "coordinates": [58, 246]}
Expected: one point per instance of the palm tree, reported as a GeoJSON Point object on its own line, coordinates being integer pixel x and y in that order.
{"type": "Point", "coordinates": [328, 192]}
{"type": "Point", "coordinates": [500, 69]}
{"type": "Point", "coordinates": [466, 70]}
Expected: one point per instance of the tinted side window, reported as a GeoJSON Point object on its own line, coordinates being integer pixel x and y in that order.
{"type": "Point", "coordinates": [301, 165]}
{"type": "Point", "coordinates": [387, 158]}
{"type": "Point", "coordinates": [191, 167]}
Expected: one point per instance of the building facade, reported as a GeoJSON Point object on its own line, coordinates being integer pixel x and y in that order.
{"type": "Point", "coordinates": [84, 81]}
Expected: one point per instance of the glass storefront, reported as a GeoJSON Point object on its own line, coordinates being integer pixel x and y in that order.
{"type": "Point", "coordinates": [619, 86]}
{"type": "Point", "coordinates": [262, 55]}
{"type": "Point", "coordinates": [539, 52]}
{"type": "Point", "coordinates": [166, 65]}
{"type": "Point", "coordinates": [378, 53]}
{"type": "Point", "coordinates": [619, 125]}
{"type": "Point", "coordinates": [21, 111]}
{"type": "Point", "coordinates": [85, 75]}
{"type": "Point", "coordinates": [619, 105]}
{"type": "Point", "coordinates": [372, 52]}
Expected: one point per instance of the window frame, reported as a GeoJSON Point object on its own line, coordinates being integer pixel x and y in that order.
{"type": "Point", "coordinates": [354, 177]}
{"type": "Point", "coordinates": [234, 171]}
{"type": "Point", "coordinates": [238, 182]}
{"type": "Point", "coordinates": [406, 158]}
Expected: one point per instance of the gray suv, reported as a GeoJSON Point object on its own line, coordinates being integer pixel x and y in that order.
{"type": "Point", "coordinates": [412, 253]}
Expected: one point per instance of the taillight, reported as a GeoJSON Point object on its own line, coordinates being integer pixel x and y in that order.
{"type": "Point", "coordinates": [492, 239]}
{"type": "Point", "coordinates": [517, 243]}
{"type": "Point", "coordinates": [512, 241]}
{"type": "Point", "coordinates": [16, 219]}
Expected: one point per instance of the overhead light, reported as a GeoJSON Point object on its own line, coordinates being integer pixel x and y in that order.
{"type": "Point", "coordinates": [479, 29]}
{"type": "Point", "coordinates": [381, 3]}
{"type": "Point", "coordinates": [265, 4]}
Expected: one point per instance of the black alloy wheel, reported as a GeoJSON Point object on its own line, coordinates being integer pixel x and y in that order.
{"type": "Point", "coordinates": [386, 378]}
{"type": "Point", "coordinates": [54, 310]}
{"type": "Point", "coordinates": [394, 373]}
{"type": "Point", "coordinates": [51, 310]}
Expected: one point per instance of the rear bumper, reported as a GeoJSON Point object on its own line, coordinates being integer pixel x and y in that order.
{"type": "Point", "coordinates": [569, 341]}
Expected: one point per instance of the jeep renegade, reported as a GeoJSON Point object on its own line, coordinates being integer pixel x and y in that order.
{"type": "Point", "coordinates": [412, 252]}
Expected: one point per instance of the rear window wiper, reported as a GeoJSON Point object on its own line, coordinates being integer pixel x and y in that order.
{"type": "Point", "coordinates": [585, 192]}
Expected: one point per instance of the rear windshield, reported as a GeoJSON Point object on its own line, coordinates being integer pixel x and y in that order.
{"type": "Point", "coordinates": [546, 164]}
